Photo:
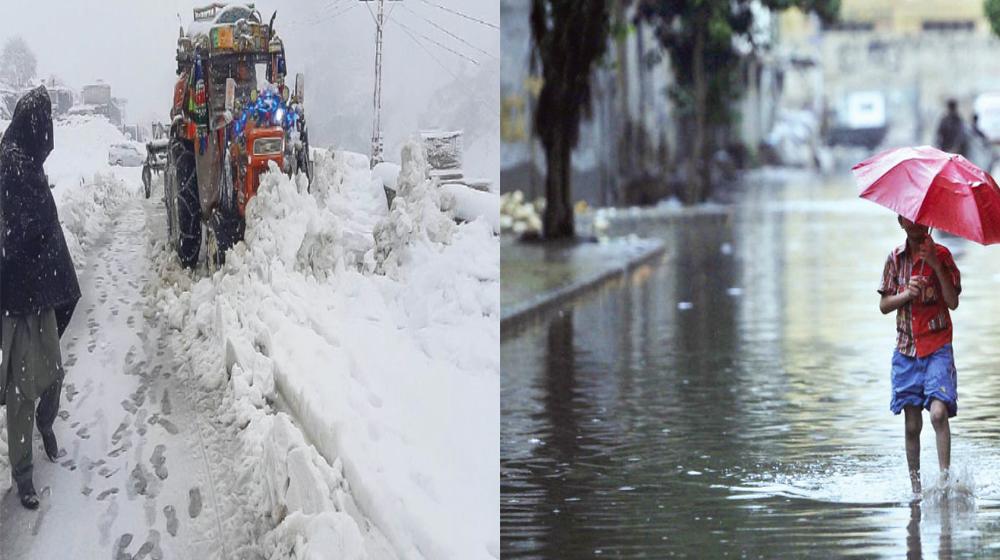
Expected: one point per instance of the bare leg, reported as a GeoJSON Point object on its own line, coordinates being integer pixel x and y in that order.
{"type": "Point", "coordinates": [939, 419]}
{"type": "Point", "coordinates": [914, 423]}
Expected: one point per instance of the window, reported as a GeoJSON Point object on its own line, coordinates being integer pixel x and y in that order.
{"type": "Point", "coordinates": [945, 25]}
{"type": "Point", "coordinates": [847, 25]}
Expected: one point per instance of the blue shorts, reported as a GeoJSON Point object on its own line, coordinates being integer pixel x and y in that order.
{"type": "Point", "coordinates": [915, 381]}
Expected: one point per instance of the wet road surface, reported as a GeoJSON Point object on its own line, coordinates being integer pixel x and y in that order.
{"type": "Point", "coordinates": [731, 398]}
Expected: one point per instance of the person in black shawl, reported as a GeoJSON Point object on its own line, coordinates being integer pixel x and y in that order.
{"type": "Point", "coordinates": [38, 287]}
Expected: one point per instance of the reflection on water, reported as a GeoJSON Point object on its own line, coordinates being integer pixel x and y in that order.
{"type": "Point", "coordinates": [732, 399]}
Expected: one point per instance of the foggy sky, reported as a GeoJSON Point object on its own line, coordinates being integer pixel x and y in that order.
{"type": "Point", "coordinates": [130, 44]}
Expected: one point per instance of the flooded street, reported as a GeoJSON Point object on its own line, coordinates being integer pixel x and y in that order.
{"type": "Point", "coordinates": [731, 399]}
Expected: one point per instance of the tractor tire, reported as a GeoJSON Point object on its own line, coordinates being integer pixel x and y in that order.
{"type": "Point", "coordinates": [188, 205]}
{"type": "Point", "coordinates": [227, 230]}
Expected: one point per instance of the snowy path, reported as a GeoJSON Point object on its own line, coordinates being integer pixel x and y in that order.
{"type": "Point", "coordinates": [146, 468]}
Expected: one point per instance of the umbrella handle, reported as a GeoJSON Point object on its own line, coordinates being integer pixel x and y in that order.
{"type": "Point", "coordinates": [923, 262]}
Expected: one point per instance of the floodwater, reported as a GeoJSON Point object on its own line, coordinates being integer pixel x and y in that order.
{"type": "Point", "coordinates": [731, 399]}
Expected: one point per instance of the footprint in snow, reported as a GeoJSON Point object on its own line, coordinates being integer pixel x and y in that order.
{"type": "Point", "coordinates": [150, 548]}
{"type": "Point", "coordinates": [120, 547]}
{"type": "Point", "coordinates": [158, 461]}
{"type": "Point", "coordinates": [172, 523]}
{"type": "Point", "coordinates": [194, 502]}
{"type": "Point", "coordinates": [137, 481]}
{"type": "Point", "coordinates": [169, 426]}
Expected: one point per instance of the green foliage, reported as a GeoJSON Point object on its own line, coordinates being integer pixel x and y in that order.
{"type": "Point", "coordinates": [992, 9]}
{"type": "Point", "coordinates": [681, 26]}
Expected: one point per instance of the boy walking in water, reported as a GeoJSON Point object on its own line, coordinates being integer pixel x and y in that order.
{"type": "Point", "coordinates": [921, 284]}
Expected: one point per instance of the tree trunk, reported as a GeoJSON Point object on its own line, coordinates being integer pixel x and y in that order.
{"type": "Point", "coordinates": [625, 149]}
{"type": "Point", "coordinates": [697, 188]}
{"type": "Point", "coordinates": [558, 219]}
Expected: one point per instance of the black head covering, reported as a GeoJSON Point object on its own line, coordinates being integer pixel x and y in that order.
{"type": "Point", "coordinates": [30, 130]}
{"type": "Point", "coordinates": [36, 268]}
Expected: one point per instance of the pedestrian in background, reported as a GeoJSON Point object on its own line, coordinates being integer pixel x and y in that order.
{"type": "Point", "coordinates": [951, 134]}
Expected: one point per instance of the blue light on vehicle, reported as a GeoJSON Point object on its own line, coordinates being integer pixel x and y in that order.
{"type": "Point", "coordinates": [268, 109]}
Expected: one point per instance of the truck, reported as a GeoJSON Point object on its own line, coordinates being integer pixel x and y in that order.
{"type": "Point", "coordinates": [861, 120]}
{"type": "Point", "coordinates": [232, 117]}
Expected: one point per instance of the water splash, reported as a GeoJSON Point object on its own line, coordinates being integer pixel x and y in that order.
{"type": "Point", "coordinates": [955, 489]}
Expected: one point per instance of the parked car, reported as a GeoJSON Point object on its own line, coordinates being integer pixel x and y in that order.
{"type": "Point", "coordinates": [125, 154]}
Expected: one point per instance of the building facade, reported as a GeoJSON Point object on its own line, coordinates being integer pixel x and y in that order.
{"type": "Point", "coordinates": [917, 55]}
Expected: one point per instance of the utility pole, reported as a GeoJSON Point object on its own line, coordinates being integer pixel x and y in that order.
{"type": "Point", "coordinates": [376, 147]}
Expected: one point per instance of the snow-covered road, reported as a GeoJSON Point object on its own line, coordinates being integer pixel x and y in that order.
{"type": "Point", "coordinates": [145, 463]}
{"type": "Point", "coordinates": [332, 391]}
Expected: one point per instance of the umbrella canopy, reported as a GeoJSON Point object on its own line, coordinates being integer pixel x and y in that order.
{"type": "Point", "coordinates": [934, 188]}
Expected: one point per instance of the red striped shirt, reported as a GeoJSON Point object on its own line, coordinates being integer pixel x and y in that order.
{"type": "Point", "coordinates": [923, 325]}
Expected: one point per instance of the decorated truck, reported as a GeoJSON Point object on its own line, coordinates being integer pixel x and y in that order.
{"type": "Point", "coordinates": [232, 116]}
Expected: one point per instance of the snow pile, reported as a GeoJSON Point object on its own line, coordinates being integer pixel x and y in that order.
{"type": "Point", "coordinates": [388, 172]}
{"type": "Point", "coordinates": [84, 212]}
{"type": "Point", "coordinates": [416, 219]}
{"type": "Point", "coordinates": [379, 333]}
{"type": "Point", "coordinates": [468, 203]}
{"type": "Point", "coordinates": [81, 150]}
{"type": "Point", "coordinates": [86, 187]}
{"type": "Point", "coordinates": [471, 204]}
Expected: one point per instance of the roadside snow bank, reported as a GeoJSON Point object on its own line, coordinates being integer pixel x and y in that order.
{"type": "Point", "coordinates": [81, 145]}
{"type": "Point", "coordinates": [471, 204]}
{"type": "Point", "coordinates": [379, 333]}
{"type": "Point", "coordinates": [85, 211]}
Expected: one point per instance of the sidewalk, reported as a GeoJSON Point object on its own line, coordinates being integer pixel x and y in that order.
{"type": "Point", "coordinates": [535, 277]}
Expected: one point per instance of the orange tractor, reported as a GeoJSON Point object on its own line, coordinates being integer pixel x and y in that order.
{"type": "Point", "coordinates": [232, 116]}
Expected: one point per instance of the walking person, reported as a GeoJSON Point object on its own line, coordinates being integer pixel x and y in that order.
{"type": "Point", "coordinates": [951, 133]}
{"type": "Point", "coordinates": [980, 147]}
{"type": "Point", "coordinates": [38, 288]}
{"type": "Point", "coordinates": [921, 283]}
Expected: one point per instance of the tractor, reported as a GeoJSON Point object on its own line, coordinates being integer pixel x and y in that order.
{"type": "Point", "coordinates": [232, 116]}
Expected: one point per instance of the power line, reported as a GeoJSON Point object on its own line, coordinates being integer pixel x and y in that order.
{"type": "Point", "coordinates": [448, 32]}
{"type": "Point", "coordinates": [327, 8]}
{"type": "Point", "coordinates": [474, 94]}
{"type": "Point", "coordinates": [331, 17]}
{"type": "Point", "coordinates": [336, 15]}
{"type": "Point", "coordinates": [368, 5]}
{"type": "Point", "coordinates": [458, 13]}
{"type": "Point", "coordinates": [449, 49]}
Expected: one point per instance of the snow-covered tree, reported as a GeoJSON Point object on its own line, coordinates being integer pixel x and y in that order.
{"type": "Point", "coordinates": [17, 63]}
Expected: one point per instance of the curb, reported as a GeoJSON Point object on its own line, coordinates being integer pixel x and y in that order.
{"type": "Point", "coordinates": [512, 316]}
